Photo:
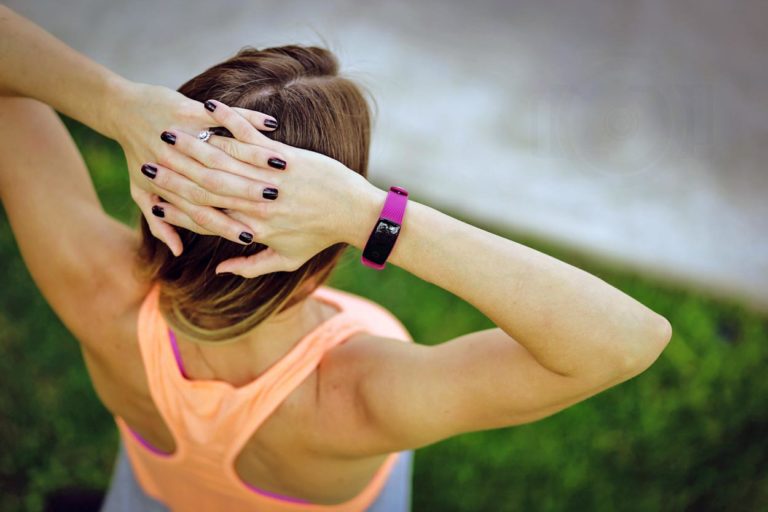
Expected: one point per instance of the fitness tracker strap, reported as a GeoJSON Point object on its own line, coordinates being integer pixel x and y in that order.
{"type": "Point", "coordinates": [387, 228]}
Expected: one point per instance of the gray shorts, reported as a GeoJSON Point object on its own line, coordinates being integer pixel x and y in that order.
{"type": "Point", "coordinates": [125, 494]}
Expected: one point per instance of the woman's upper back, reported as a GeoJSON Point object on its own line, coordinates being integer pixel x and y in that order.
{"type": "Point", "coordinates": [266, 429]}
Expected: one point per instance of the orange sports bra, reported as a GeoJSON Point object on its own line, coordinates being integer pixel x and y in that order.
{"type": "Point", "coordinates": [211, 420]}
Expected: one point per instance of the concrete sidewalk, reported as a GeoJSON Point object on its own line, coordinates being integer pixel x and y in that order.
{"type": "Point", "coordinates": [637, 132]}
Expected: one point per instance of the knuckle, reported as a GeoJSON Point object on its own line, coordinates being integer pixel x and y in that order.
{"type": "Point", "coordinates": [234, 204]}
{"type": "Point", "coordinates": [267, 211]}
{"type": "Point", "coordinates": [219, 141]}
{"type": "Point", "coordinates": [164, 180]}
{"type": "Point", "coordinates": [224, 144]}
{"type": "Point", "coordinates": [201, 217]}
{"type": "Point", "coordinates": [254, 190]}
{"type": "Point", "coordinates": [186, 110]}
{"type": "Point", "coordinates": [273, 145]}
{"type": "Point", "coordinates": [191, 111]}
{"type": "Point", "coordinates": [218, 160]}
{"type": "Point", "coordinates": [224, 114]}
{"type": "Point", "coordinates": [227, 203]}
{"type": "Point", "coordinates": [256, 156]}
{"type": "Point", "coordinates": [200, 196]}
{"type": "Point", "coordinates": [236, 151]}
{"type": "Point", "coordinates": [212, 181]}
{"type": "Point", "coordinates": [166, 156]}
{"type": "Point", "coordinates": [256, 209]}
{"type": "Point", "coordinates": [222, 141]}
{"type": "Point", "coordinates": [271, 210]}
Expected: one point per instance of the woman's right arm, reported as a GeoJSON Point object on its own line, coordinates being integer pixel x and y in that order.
{"type": "Point", "coordinates": [562, 336]}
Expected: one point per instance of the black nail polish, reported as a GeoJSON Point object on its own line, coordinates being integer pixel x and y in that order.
{"type": "Point", "coordinates": [270, 193]}
{"type": "Point", "coordinates": [246, 237]}
{"type": "Point", "coordinates": [220, 131]}
{"type": "Point", "coordinates": [270, 123]}
{"type": "Point", "coordinates": [276, 163]}
{"type": "Point", "coordinates": [210, 106]}
{"type": "Point", "coordinates": [158, 211]}
{"type": "Point", "coordinates": [150, 171]}
{"type": "Point", "coordinates": [168, 137]}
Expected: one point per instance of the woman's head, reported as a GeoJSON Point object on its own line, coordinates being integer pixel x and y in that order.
{"type": "Point", "coordinates": [317, 110]}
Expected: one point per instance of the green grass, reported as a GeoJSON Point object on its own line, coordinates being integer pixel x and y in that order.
{"type": "Point", "coordinates": [688, 434]}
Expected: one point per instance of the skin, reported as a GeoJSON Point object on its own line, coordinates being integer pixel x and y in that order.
{"type": "Point", "coordinates": [562, 334]}
{"type": "Point", "coordinates": [34, 64]}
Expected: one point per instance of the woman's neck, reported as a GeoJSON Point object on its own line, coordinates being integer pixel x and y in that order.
{"type": "Point", "coordinates": [242, 359]}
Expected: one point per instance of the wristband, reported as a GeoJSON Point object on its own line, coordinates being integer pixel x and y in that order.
{"type": "Point", "coordinates": [387, 228]}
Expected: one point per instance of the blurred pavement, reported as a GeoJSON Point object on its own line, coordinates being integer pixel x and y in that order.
{"type": "Point", "coordinates": [636, 131]}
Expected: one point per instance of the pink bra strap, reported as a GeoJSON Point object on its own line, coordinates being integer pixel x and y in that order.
{"type": "Point", "coordinates": [176, 354]}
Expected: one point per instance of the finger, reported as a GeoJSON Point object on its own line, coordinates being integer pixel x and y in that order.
{"type": "Point", "coordinates": [260, 121]}
{"type": "Point", "coordinates": [264, 262]}
{"type": "Point", "coordinates": [246, 219]}
{"type": "Point", "coordinates": [211, 158]}
{"type": "Point", "coordinates": [252, 154]}
{"type": "Point", "coordinates": [207, 220]}
{"type": "Point", "coordinates": [238, 125]}
{"type": "Point", "coordinates": [159, 229]}
{"type": "Point", "coordinates": [167, 180]}
{"type": "Point", "coordinates": [192, 113]}
{"type": "Point", "coordinates": [172, 215]}
{"type": "Point", "coordinates": [166, 233]}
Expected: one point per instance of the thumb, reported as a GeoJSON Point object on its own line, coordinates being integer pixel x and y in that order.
{"type": "Point", "coordinates": [265, 262]}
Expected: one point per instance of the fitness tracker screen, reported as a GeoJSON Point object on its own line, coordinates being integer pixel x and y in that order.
{"type": "Point", "coordinates": [382, 241]}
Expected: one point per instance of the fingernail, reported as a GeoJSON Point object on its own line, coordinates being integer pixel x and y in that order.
{"type": "Point", "coordinates": [246, 237]}
{"type": "Point", "coordinates": [270, 123]}
{"type": "Point", "coordinates": [158, 211]}
{"type": "Point", "coordinates": [210, 106]}
{"type": "Point", "coordinates": [276, 163]}
{"type": "Point", "coordinates": [168, 137]}
{"type": "Point", "coordinates": [220, 131]}
{"type": "Point", "coordinates": [270, 193]}
{"type": "Point", "coordinates": [150, 171]}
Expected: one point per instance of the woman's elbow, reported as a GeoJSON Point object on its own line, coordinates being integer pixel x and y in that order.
{"type": "Point", "coordinates": [648, 349]}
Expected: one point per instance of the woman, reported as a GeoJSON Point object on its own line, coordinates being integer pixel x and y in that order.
{"type": "Point", "coordinates": [237, 380]}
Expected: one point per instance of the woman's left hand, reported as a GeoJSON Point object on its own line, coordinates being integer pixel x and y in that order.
{"type": "Point", "coordinates": [36, 65]}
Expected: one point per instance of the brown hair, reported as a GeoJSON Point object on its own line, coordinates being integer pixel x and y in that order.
{"type": "Point", "coordinates": [317, 110]}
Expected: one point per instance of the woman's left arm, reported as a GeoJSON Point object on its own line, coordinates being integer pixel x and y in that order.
{"type": "Point", "coordinates": [35, 64]}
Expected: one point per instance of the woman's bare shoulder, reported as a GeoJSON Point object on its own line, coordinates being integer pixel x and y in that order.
{"type": "Point", "coordinates": [339, 415]}
{"type": "Point", "coordinates": [378, 320]}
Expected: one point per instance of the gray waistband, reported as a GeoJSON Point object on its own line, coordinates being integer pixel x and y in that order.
{"type": "Point", "coordinates": [125, 493]}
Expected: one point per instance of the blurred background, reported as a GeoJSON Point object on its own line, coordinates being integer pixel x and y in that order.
{"type": "Point", "coordinates": [627, 138]}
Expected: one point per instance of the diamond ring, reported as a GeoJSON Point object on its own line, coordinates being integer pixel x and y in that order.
{"type": "Point", "coordinates": [204, 135]}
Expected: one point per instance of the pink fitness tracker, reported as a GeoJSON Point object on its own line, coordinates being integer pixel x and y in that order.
{"type": "Point", "coordinates": [387, 229]}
